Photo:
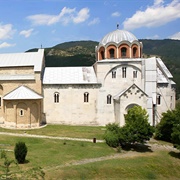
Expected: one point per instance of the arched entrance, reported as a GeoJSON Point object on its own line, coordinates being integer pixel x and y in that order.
{"type": "Point", "coordinates": [130, 106]}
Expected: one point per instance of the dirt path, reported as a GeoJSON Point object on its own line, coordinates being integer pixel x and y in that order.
{"type": "Point", "coordinates": [153, 146]}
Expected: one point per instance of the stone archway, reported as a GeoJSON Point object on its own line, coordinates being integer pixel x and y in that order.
{"type": "Point", "coordinates": [130, 106]}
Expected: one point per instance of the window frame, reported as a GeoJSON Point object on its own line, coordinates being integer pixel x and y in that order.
{"type": "Point", "coordinates": [56, 97]}
{"type": "Point", "coordinates": [124, 72]}
{"type": "Point", "coordinates": [109, 99]}
{"type": "Point", "coordinates": [86, 97]}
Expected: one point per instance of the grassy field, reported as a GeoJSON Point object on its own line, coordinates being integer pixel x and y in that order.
{"type": "Point", "coordinates": [64, 131]}
{"type": "Point", "coordinates": [58, 158]}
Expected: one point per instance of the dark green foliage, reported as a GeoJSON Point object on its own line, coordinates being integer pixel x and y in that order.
{"type": "Point", "coordinates": [176, 135]}
{"type": "Point", "coordinates": [112, 135]}
{"type": "Point", "coordinates": [20, 152]}
{"type": "Point", "coordinates": [168, 126]}
{"type": "Point", "coordinates": [165, 128]}
{"type": "Point", "coordinates": [136, 130]}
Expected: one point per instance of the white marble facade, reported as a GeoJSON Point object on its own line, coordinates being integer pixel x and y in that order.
{"type": "Point", "coordinates": [102, 93]}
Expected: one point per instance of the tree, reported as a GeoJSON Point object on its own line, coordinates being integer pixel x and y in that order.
{"type": "Point", "coordinates": [137, 129]}
{"type": "Point", "coordinates": [169, 127]}
{"type": "Point", "coordinates": [20, 152]}
{"type": "Point", "coordinates": [165, 128]}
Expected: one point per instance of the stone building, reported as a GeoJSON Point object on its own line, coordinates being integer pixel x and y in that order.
{"type": "Point", "coordinates": [102, 94]}
{"type": "Point", "coordinates": [21, 100]}
{"type": "Point", "coordinates": [121, 77]}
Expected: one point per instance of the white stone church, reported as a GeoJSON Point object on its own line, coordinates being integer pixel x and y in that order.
{"type": "Point", "coordinates": [32, 94]}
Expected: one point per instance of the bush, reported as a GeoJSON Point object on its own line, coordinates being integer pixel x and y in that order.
{"type": "Point", "coordinates": [112, 135]}
{"type": "Point", "coordinates": [136, 130]}
{"type": "Point", "coordinates": [165, 128]}
{"type": "Point", "coordinates": [20, 152]}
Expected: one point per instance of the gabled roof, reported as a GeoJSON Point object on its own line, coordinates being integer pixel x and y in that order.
{"type": "Point", "coordinates": [34, 59]}
{"type": "Point", "coordinates": [69, 75]}
{"type": "Point", "coordinates": [22, 92]}
{"type": "Point", "coordinates": [163, 67]}
{"type": "Point", "coordinates": [117, 96]}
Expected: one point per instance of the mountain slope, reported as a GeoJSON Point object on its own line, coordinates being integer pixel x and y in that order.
{"type": "Point", "coordinates": [82, 53]}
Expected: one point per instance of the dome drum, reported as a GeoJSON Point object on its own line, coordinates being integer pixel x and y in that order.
{"type": "Point", "coordinates": [119, 44]}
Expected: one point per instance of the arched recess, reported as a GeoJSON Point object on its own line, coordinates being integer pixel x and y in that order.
{"type": "Point", "coordinates": [111, 52]}
{"type": "Point", "coordinates": [124, 51]}
{"type": "Point", "coordinates": [10, 113]}
{"type": "Point", "coordinates": [34, 113]}
{"type": "Point", "coordinates": [22, 116]}
{"type": "Point", "coordinates": [135, 51]}
{"type": "Point", "coordinates": [101, 53]}
{"type": "Point", "coordinates": [130, 106]}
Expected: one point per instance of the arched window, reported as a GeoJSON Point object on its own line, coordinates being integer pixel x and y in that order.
{"type": "Point", "coordinates": [123, 72]}
{"type": "Point", "coordinates": [123, 52]}
{"type": "Point", "coordinates": [113, 74]}
{"type": "Point", "coordinates": [86, 97]}
{"type": "Point", "coordinates": [21, 112]}
{"type": "Point", "coordinates": [56, 97]}
{"type": "Point", "coordinates": [111, 52]}
{"type": "Point", "coordinates": [109, 97]}
{"type": "Point", "coordinates": [102, 54]}
{"type": "Point", "coordinates": [134, 52]}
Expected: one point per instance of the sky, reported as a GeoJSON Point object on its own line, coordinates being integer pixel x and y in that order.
{"type": "Point", "coordinates": [27, 24]}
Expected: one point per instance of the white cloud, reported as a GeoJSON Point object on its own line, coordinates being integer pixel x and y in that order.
{"type": "Point", "coordinates": [115, 14]}
{"type": "Point", "coordinates": [6, 31]}
{"type": "Point", "coordinates": [156, 15]}
{"type": "Point", "coordinates": [94, 21]}
{"type": "Point", "coordinates": [6, 45]}
{"type": "Point", "coordinates": [82, 15]}
{"type": "Point", "coordinates": [66, 16]}
{"type": "Point", "coordinates": [26, 33]}
{"type": "Point", "coordinates": [175, 36]}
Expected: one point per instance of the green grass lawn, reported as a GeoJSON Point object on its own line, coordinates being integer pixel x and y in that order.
{"type": "Point", "coordinates": [52, 153]}
{"type": "Point", "coordinates": [64, 131]}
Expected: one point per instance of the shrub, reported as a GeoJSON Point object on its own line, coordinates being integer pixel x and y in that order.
{"type": "Point", "coordinates": [20, 152]}
{"type": "Point", "coordinates": [112, 135]}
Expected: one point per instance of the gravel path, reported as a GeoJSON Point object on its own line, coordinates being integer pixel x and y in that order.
{"type": "Point", "coordinates": [49, 137]}
{"type": "Point", "coordinates": [153, 146]}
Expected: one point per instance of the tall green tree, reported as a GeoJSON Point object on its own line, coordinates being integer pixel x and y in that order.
{"type": "Point", "coordinates": [137, 128]}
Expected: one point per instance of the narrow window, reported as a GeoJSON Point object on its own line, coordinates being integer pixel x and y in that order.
{"type": "Point", "coordinates": [102, 54]}
{"type": "Point", "coordinates": [123, 52]}
{"type": "Point", "coordinates": [134, 74]}
{"type": "Point", "coordinates": [86, 97]}
{"type": "Point", "coordinates": [111, 52]}
{"type": "Point", "coordinates": [56, 97]}
{"type": "Point", "coordinates": [21, 112]}
{"type": "Point", "coordinates": [158, 99]}
{"type": "Point", "coordinates": [123, 72]}
{"type": "Point", "coordinates": [114, 74]}
{"type": "Point", "coordinates": [109, 97]}
{"type": "Point", "coordinates": [134, 52]}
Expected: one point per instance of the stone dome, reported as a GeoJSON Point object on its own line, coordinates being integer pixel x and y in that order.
{"type": "Point", "coordinates": [118, 36]}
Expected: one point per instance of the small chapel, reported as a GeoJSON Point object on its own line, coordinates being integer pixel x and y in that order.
{"type": "Point", "coordinates": [32, 94]}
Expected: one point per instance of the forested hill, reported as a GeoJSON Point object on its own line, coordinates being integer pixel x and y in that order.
{"type": "Point", "coordinates": [82, 53]}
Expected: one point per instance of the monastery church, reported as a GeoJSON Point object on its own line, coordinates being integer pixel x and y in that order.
{"type": "Point", "coordinates": [32, 94]}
